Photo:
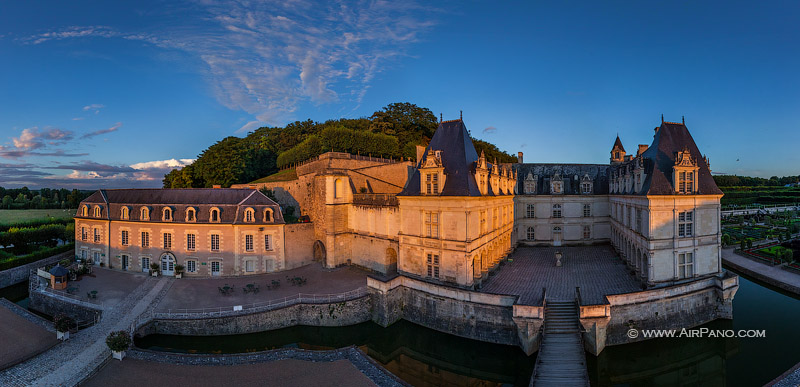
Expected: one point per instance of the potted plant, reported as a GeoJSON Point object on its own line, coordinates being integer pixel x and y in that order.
{"type": "Point", "coordinates": [118, 342]}
{"type": "Point", "coordinates": [179, 271]}
{"type": "Point", "coordinates": [63, 324]}
{"type": "Point", "coordinates": [154, 267]}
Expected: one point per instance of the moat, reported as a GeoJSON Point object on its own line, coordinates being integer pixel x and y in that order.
{"type": "Point", "coordinates": [423, 356]}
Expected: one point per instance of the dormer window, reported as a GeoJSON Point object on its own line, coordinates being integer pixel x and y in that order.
{"type": "Point", "coordinates": [144, 214]}
{"type": "Point", "coordinates": [191, 215]}
{"type": "Point", "coordinates": [167, 215]}
{"type": "Point", "coordinates": [215, 215]}
{"type": "Point", "coordinates": [85, 211]}
{"type": "Point", "coordinates": [249, 215]}
{"type": "Point", "coordinates": [432, 183]}
{"type": "Point", "coordinates": [530, 184]}
{"type": "Point", "coordinates": [685, 173]}
{"type": "Point", "coordinates": [125, 213]}
{"type": "Point", "coordinates": [268, 215]}
{"type": "Point", "coordinates": [97, 211]}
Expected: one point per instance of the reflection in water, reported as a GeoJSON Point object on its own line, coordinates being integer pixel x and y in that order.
{"type": "Point", "coordinates": [420, 356]}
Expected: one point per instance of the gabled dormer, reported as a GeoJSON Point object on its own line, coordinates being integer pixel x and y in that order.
{"type": "Point", "coordinates": [495, 178]}
{"type": "Point", "coordinates": [482, 174]}
{"type": "Point", "coordinates": [432, 173]}
{"type": "Point", "coordinates": [556, 184]}
{"type": "Point", "coordinates": [529, 185]}
{"type": "Point", "coordinates": [587, 185]}
{"type": "Point", "coordinates": [684, 172]}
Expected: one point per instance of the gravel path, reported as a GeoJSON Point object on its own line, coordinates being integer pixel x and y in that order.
{"type": "Point", "coordinates": [69, 363]}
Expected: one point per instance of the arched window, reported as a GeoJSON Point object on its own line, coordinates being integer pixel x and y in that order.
{"type": "Point", "coordinates": [556, 211]}
{"type": "Point", "coordinates": [531, 235]}
{"type": "Point", "coordinates": [167, 216]}
{"type": "Point", "coordinates": [97, 211]}
{"type": "Point", "coordinates": [144, 214]}
{"type": "Point", "coordinates": [268, 215]}
{"type": "Point", "coordinates": [190, 214]}
{"type": "Point", "coordinates": [125, 213]}
{"type": "Point", "coordinates": [557, 233]}
{"type": "Point", "coordinates": [530, 211]}
{"type": "Point", "coordinates": [85, 211]}
{"type": "Point", "coordinates": [338, 188]}
{"type": "Point", "coordinates": [215, 215]}
{"type": "Point", "coordinates": [249, 215]}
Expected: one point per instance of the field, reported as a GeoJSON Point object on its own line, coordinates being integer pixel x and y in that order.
{"type": "Point", "coordinates": [16, 216]}
{"type": "Point", "coordinates": [760, 195]}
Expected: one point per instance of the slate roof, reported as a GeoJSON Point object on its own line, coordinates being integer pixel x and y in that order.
{"type": "Point", "coordinates": [231, 202]}
{"type": "Point", "coordinates": [458, 159]}
{"type": "Point", "coordinates": [659, 158]}
{"type": "Point", "coordinates": [618, 144]}
{"type": "Point", "coordinates": [543, 173]}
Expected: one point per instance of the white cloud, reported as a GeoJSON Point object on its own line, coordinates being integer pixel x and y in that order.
{"type": "Point", "coordinates": [250, 126]}
{"type": "Point", "coordinates": [95, 107]}
{"type": "Point", "coordinates": [113, 128]}
{"type": "Point", "coordinates": [33, 138]}
{"type": "Point", "coordinates": [163, 164]}
{"type": "Point", "coordinates": [266, 58]}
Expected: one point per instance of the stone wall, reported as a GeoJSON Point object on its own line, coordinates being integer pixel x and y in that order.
{"type": "Point", "coordinates": [299, 244]}
{"type": "Point", "coordinates": [20, 274]}
{"type": "Point", "coordinates": [53, 304]}
{"type": "Point", "coordinates": [328, 315]}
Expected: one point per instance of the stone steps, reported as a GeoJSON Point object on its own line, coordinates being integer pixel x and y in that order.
{"type": "Point", "coordinates": [561, 360]}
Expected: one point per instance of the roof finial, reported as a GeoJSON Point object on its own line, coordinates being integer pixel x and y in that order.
{"type": "Point", "coordinates": [461, 115]}
{"type": "Point", "coordinates": [662, 118]}
{"type": "Point", "coordinates": [683, 120]}
{"type": "Point", "coordinates": [440, 117]}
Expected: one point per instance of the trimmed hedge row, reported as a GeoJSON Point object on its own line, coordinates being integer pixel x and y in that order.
{"type": "Point", "coordinates": [341, 139]}
{"type": "Point", "coordinates": [35, 223]}
{"type": "Point", "coordinates": [33, 257]}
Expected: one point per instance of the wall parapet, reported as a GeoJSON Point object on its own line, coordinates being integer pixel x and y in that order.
{"type": "Point", "coordinates": [723, 283]}
{"type": "Point", "coordinates": [380, 200]}
{"type": "Point", "coordinates": [442, 291]}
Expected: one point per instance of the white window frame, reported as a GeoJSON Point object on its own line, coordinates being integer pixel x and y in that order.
{"type": "Point", "coordinates": [191, 266]}
{"type": "Point", "coordinates": [557, 211]}
{"type": "Point", "coordinates": [686, 224]}
{"type": "Point", "coordinates": [125, 237]}
{"type": "Point", "coordinates": [166, 240]}
{"type": "Point", "coordinates": [248, 243]}
{"type": "Point", "coordinates": [431, 224]}
{"type": "Point", "coordinates": [191, 242]}
{"type": "Point", "coordinates": [685, 265]}
{"type": "Point", "coordinates": [587, 210]}
{"type": "Point", "coordinates": [215, 245]}
{"type": "Point", "coordinates": [268, 242]}
{"type": "Point", "coordinates": [145, 238]}
{"type": "Point", "coordinates": [531, 233]}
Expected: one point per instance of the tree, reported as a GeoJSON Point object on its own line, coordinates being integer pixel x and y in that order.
{"type": "Point", "coordinates": [7, 200]}
{"type": "Point", "coordinates": [742, 244]}
{"type": "Point", "coordinates": [410, 123]}
{"type": "Point", "coordinates": [726, 239]}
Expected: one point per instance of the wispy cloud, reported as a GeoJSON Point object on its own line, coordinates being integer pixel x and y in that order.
{"type": "Point", "coordinates": [102, 131]}
{"type": "Point", "coordinates": [489, 129]}
{"type": "Point", "coordinates": [34, 138]}
{"type": "Point", "coordinates": [95, 107]}
{"type": "Point", "coordinates": [266, 58]}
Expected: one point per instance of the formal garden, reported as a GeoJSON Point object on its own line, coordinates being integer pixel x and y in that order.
{"type": "Point", "coordinates": [768, 238]}
{"type": "Point", "coordinates": [30, 240]}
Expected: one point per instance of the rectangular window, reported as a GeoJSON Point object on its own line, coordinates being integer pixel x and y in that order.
{"type": "Point", "coordinates": [586, 188]}
{"type": "Point", "coordinates": [215, 268]}
{"type": "Point", "coordinates": [167, 240]}
{"type": "Point", "coordinates": [685, 265]}
{"type": "Point", "coordinates": [214, 242]}
{"type": "Point", "coordinates": [638, 220]}
{"type": "Point", "coordinates": [587, 232]}
{"type": "Point", "coordinates": [433, 266]}
{"type": "Point", "coordinates": [685, 224]}
{"type": "Point", "coordinates": [432, 224]}
{"type": "Point", "coordinates": [685, 182]}
{"type": "Point", "coordinates": [83, 255]}
{"type": "Point", "coordinates": [191, 266]}
{"type": "Point", "coordinates": [190, 242]}
{"type": "Point", "coordinates": [84, 234]}
{"type": "Point", "coordinates": [268, 242]}
{"type": "Point", "coordinates": [145, 239]}
{"type": "Point", "coordinates": [432, 183]}
{"type": "Point", "coordinates": [248, 243]}
{"type": "Point", "coordinates": [96, 235]}
{"type": "Point", "coordinates": [587, 210]}
{"type": "Point", "coordinates": [556, 210]}
{"type": "Point", "coordinates": [145, 264]}
{"type": "Point", "coordinates": [125, 237]}
{"type": "Point", "coordinates": [249, 266]}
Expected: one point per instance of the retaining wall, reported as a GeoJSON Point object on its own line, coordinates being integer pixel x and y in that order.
{"type": "Point", "coordinates": [328, 315]}
{"type": "Point", "coordinates": [20, 273]}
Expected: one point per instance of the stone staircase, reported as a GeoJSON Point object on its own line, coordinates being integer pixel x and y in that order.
{"type": "Point", "coordinates": [561, 360]}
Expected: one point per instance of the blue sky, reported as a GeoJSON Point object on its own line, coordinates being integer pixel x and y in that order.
{"type": "Point", "coordinates": [113, 94]}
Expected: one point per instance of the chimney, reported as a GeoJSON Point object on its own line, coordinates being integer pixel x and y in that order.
{"type": "Point", "coordinates": [519, 157]}
{"type": "Point", "coordinates": [216, 186]}
{"type": "Point", "coordinates": [420, 152]}
{"type": "Point", "coordinates": [642, 148]}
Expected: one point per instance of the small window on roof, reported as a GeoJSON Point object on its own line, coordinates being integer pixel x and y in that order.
{"type": "Point", "coordinates": [85, 210]}
{"type": "Point", "coordinates": [215, 215]}
{"type": "Point", "coordinates": [249, 215]}
{"type": "Point", "coordinates": [97, 211]}
{"type": "Point", "coordinates": [190, 215]}
{"type": "Point", "coordinates": [167, 214]}
{"type": "Point", "coordinates": [268, 215]}
{"type": "Point", "coordinates": [125, 213]}
{"type": "Point", "coordinates": [144, 214]}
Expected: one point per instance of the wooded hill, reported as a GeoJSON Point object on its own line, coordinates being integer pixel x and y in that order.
{"type": "Point", "coordinates": [392, 132]}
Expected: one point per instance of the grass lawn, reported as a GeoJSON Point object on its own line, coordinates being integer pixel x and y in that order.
{"type": "Point", "coordinates": [16, 216]}
{"type": "Point", "coordinates": [284, 175]}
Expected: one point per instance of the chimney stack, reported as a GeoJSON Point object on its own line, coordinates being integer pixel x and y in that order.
{"type": "Point", "coordinates": [519, 157]}
{"type": "Point", "coordinates": [642, 148]}
{"type": "Point", "coordinates": [216, 186]}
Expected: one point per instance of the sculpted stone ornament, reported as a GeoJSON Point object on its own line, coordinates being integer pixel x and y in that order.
{"type": "Point", "coordinates": [558, 258]}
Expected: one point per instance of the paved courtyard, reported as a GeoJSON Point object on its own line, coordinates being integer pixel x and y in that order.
{"type": "Point", "coordinates": [596, 269]}
{"type": "Point", "coordinates": [21, 338]}
{"type": "Point", "coordinates": [289, 372]}
{"type": "Point", "coordinates": [111, 286]}
{"type": "Point", "coordinates": [204, 293]}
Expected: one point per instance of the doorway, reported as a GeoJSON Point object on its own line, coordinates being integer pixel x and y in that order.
{"type": "Point", "coordinates": [168, 264]}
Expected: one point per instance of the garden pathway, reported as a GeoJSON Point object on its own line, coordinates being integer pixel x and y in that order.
{"type": "Point", "coordinates": [69, 363]}
{"type": "Point", "coordinates": [773, 275]}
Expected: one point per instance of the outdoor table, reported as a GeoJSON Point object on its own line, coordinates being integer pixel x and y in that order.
{"type": "Point", "coordinates": [94, 293]}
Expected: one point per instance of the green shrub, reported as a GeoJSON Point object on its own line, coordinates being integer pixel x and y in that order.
{"type": "Point", "coordinates": [63, 323]}
{"type": "Point", "coordinates": [118, 341]}
{"type": "Point", "coordinates": [43, 253]}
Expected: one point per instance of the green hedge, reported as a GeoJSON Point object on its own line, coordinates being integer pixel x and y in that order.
{"type": "Point", "coordinates": [33, 257]}
{"type": "Point", "coordinates": [20, 237]}
{"type": "Point", "coordinates": [341, 139]}
{"type": "Point", "coordinates": [35, 223]}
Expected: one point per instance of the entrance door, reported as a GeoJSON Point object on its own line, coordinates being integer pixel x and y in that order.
{"type": "Point", "coordinates": [96, 258]}
{"type": "Point", "coordinates": [168, 264]}
{"type": "Point", "coordinates": [556, 236]}
{"type": "Point", "coordinates": [214, 268]}
{"type": "Point", "coordinates": [125, 262]}
{"type": "Point", "coordinates": [145, 264]}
